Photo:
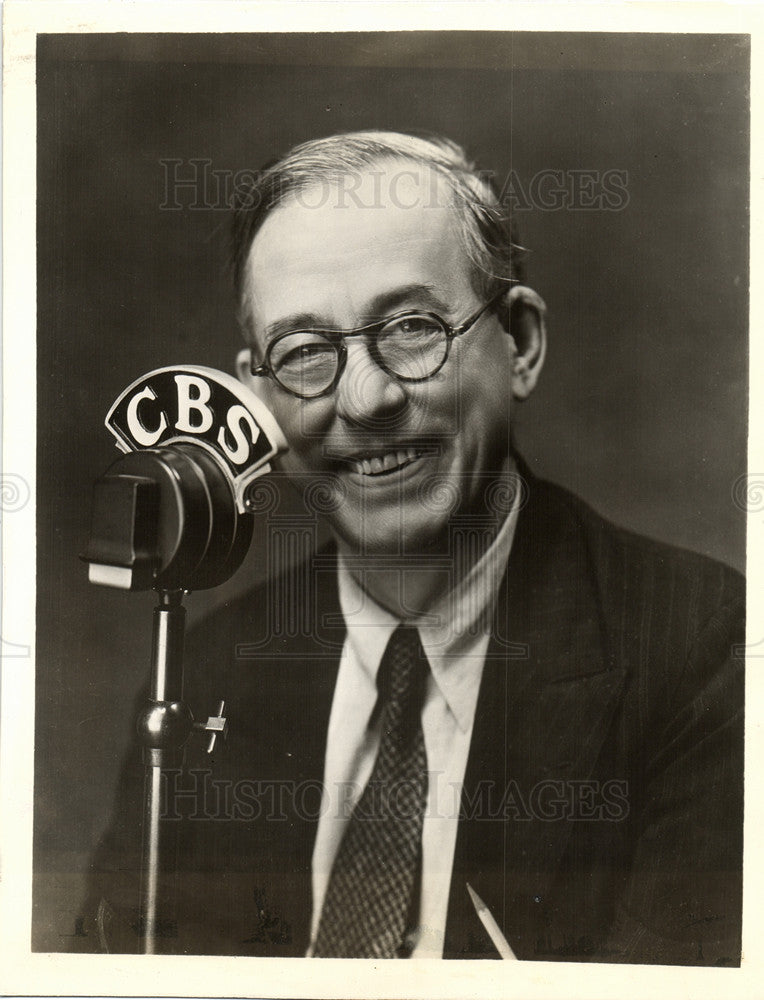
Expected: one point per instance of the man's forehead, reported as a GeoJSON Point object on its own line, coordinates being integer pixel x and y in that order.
{"type": "Point", "coordinates": [392, 224]}
{"type": "Point", "coordinates": [394, 182]}
{"type": "Point", "coordinates": [395, 194]}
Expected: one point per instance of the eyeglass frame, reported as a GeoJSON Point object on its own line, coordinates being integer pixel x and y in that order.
{"type": "Point", "coordinates": [337, 339]}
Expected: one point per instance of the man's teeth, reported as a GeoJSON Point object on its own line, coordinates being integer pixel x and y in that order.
{"type": "Point", "coordinates": [384, 463]}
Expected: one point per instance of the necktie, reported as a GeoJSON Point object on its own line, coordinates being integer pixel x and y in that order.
{"type": "Point", "coordinates": [374, 883]}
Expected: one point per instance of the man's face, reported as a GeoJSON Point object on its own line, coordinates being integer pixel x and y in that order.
{"type": "Point", "coordinates": [405, 457]}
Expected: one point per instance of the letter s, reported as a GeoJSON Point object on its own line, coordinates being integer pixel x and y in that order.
{"type": "Point", "coordinates": [615, 189]}
{"type": "Point", "coordinates": [236, 417]}
{"type": "Point", "coordinates": [615, 800]}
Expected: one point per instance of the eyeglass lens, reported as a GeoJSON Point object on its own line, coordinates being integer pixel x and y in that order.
{"type": "Point", "coordinates": [411, 347]}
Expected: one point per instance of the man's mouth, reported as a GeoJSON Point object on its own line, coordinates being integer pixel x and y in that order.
{"type": "Point", "coordinates": [379, 465]}
{"type": "Point", "coordinates": [382, 463]}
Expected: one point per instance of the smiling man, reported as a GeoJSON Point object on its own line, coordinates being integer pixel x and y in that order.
{"type": "Point", "coordinates": [481, 684]}
{"type": "Point", "coordinates": [377, 342]}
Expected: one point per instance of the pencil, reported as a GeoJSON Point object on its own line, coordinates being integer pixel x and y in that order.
{"type": "Point", "coordinates": [486, 918]}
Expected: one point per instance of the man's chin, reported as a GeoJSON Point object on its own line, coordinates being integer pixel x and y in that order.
{"type": "Point", "coordinates": [376, 538]}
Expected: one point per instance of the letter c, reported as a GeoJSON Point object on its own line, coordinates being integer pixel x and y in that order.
{"type": "Point", "coordinates": [136, 426]}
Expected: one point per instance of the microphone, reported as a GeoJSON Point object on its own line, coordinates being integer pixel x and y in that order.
{"type": "Point", "coordinates": [172, 512]}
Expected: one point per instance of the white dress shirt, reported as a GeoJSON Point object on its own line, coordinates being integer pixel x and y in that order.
{"type": "Point", "coordinates": [454, 634]}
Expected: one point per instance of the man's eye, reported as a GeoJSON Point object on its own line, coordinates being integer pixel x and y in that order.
{"type": "Point", "coordinates": [304, 354]}
{"type": "Point", "coordinates": [310, 351]}
{"type": "Point", "coordinates": [412, 326]}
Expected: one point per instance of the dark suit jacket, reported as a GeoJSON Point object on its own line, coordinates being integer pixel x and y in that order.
{"type": "Point", "coordinates": [602, 805]}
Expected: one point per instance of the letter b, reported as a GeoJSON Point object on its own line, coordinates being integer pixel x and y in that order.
{"type": "Point", "coordinates": [188, 402]}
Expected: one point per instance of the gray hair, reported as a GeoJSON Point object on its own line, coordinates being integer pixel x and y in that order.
{"type": "Point", "coordinates": [485, 227]}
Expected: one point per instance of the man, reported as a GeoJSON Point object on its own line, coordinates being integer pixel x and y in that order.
{"type": "Point", "coordinates": [481, 684]}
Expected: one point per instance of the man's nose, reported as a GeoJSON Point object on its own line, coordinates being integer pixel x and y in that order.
{"type": "Point", "coordinates": [367, 396]}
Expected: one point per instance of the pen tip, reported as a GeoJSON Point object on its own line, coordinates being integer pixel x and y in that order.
{"type": "Point", "coordinates": [477, 902]}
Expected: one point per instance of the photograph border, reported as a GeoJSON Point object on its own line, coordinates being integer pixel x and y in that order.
{"type": "Point", "coordinates": [27, 973]}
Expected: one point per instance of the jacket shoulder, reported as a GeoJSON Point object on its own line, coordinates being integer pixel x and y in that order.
{"type": "Point", "coordinates": [625, 562]}
{"type": "Point", "coordinates": [672, 618]}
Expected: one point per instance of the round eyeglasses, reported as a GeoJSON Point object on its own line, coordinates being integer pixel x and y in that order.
{"type": "Point", "coordinates": [411, 346]}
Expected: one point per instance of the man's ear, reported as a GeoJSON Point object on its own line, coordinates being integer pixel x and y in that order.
{"type": "Point", "coordinates": [259, 386]}
{"type": "Point", "coordinates": [527, 326]}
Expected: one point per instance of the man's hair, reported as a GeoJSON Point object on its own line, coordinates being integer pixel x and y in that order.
{"type": "Point", "coordinates": [484, 226]}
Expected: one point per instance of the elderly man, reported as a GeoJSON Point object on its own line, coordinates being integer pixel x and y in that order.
{"type": "Point", "coordinates": [484, 685]}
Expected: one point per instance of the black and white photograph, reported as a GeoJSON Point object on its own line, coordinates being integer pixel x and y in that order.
{"type": "Point", "coordinates": [391, 499]}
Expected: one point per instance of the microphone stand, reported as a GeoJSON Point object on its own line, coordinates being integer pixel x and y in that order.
{"type": "Point", "coordinates": [171, 515]}
{"type": "Point", "coordinates": [164, 725]}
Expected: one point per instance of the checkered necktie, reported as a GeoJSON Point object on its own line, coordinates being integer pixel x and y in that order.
{"type": "Point", "coordinates": [374, 886]}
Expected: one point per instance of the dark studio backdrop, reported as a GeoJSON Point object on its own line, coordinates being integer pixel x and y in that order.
{"type": "Point", "coordinates": [643, 402]}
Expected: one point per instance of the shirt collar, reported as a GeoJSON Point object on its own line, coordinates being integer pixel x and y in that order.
{"type": "Point", "coordinates": [453, 631]}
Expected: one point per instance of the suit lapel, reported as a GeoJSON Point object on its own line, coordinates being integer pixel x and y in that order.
{"type": "Point", "coordinates": [545, 702]}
